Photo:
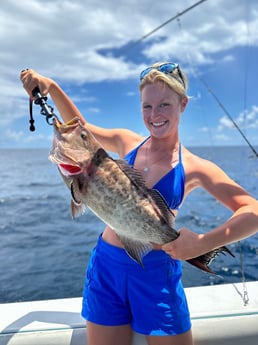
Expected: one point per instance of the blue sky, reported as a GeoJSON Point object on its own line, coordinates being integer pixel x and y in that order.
{"type": "Point", "coordinates": [88, 47]}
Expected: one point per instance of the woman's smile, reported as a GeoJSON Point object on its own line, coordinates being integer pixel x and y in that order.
{"type": "Point", "coordinates": [159, 124]}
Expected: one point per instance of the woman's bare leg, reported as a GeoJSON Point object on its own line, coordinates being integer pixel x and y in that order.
{"type": "Point", "coordinates": [108, 335]}
{"type": "Point", "coordinates": [181, 339]}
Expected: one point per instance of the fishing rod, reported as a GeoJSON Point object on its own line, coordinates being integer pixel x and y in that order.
{"type": "Point", "coordinates": [46, 109]}
{"type": "Point", "coordinates": [229, 116]}
{"type": "Point", "coordinates": [220, 104]}
{"type": "Point", "coordinates": [177, 16]}
{"type": "Point", "coordinates": [161, 26]}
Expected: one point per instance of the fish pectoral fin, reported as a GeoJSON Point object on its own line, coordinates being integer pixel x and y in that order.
{"type": "Point", "coordinates": [205, 260]}
{"type": "Point", "coordinates": [163, 207]}
{"type": "Point", "coordinates": [77, 209]}
{"type": "Point", "coordinates": [135, 249]}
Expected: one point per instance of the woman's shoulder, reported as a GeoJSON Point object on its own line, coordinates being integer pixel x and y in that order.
{"type": "Point", "coordinates": [117, 140]}
{"type": "Point", "coordinates": [200, 171]}
{"type": "Point", "coordinates": [129, 140]}
{"type": "Point", "coordinates": [196, 162]}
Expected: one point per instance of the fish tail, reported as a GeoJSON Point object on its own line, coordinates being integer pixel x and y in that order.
{"type": "Point", "coordinates": [203, 261]}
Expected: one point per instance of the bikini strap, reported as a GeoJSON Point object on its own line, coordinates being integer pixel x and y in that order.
{"type": "Point", "coordinates": [180, 153]}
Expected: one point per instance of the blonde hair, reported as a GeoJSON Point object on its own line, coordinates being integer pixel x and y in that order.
{"type": "Point", "coordinates": [173, 80]}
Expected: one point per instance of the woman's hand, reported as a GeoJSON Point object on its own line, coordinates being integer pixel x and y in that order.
{"type": "Point", "coordinates": [187, 246]}
{"type": "Point", "coordinates": [67, 109]}
{"type": "Point", "coordinates": [31, 79]}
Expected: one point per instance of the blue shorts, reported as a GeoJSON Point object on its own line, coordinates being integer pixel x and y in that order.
{"type": "Point", "coordinates": [119, 291]}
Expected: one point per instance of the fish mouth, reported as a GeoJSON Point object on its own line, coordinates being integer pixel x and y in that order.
{"type": "Point", "coordinates": [67, 125]}
{"type": "Point", "coordinates": [69, 169]}
{"type": "Point", "coordinates": [61, 154]}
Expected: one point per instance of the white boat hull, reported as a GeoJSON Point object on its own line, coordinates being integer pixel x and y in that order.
{"type": "Point", "coordinates": [218, 317]}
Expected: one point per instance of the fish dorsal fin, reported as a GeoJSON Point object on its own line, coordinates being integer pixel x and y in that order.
{"type": "Point", "coordinates": [135, 249]}
{"type": "Point", "coordinates": [133, 174]}
{"type": "Point", "coordinates": [163, 207]}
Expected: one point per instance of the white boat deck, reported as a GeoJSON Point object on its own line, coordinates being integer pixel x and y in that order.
{"type": "Point", "coordinates": [218, 316]}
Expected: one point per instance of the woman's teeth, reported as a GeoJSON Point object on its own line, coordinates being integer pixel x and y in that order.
{"type": "Point", "coordinates": [158, 124]}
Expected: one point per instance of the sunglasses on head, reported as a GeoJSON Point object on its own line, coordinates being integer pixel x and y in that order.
{"type": "Point", "coordinates": [166, 68]}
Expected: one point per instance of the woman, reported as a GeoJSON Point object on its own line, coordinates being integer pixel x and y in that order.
{"type": "Point", "coordinates": [120, 295]}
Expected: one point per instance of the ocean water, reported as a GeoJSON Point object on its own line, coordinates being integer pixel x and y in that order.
{"type": "Point", "coordinates": [44, 253]}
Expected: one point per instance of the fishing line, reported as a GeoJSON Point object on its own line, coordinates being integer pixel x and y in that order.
{"type": "Point", "coordinates": [246, 65]}
{"type": "Point", "coordinates": [244, 295]}
{"type": "Point", "coordinates": [177, 16]}
{"type": "Point", "coordinates": [196, 75]}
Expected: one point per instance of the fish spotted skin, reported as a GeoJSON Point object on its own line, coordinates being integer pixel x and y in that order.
{"type": "Point", "coordinates": [115, 192]}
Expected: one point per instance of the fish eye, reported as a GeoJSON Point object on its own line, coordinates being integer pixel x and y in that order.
{"type": "Point", "coordinates": [83, 135]}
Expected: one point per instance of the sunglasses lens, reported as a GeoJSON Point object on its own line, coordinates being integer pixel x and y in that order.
{"type": "Point", "coordinates": [167, 68]}
{"type": "Point", "coordinates": [145, 72]}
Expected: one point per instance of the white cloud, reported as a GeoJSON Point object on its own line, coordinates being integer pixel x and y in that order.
{"type": "Point", "coordinates": [213, 27]}
{"type": "Point", "coordinates": [225, 122]}
{"type": "Point", "coordinates": [64, 39]}
{"type": "Point", "coordinates": [22, 139]}
{"type": "Point", "coordinates": [246, 119]}
{"type": "Point", "coordinates": [221, 137]}
{"type": "Point", "coordinates": [93, 110]}
{"type": "Point", "coordinates": [131, 93]}
{"type": "Point", "coordinates": [226, 132]}
{"type": "Point", "coordinates": [204, 130]}
{"type": "Point", "coordinates": [14, 135]}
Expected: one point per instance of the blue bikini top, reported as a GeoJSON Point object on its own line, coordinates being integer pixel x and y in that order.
{"type": "Point", "coordinates": [172, 185]}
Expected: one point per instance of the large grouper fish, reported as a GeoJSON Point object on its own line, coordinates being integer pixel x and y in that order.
{"type": "Point", "coordinates": [116, 193]}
